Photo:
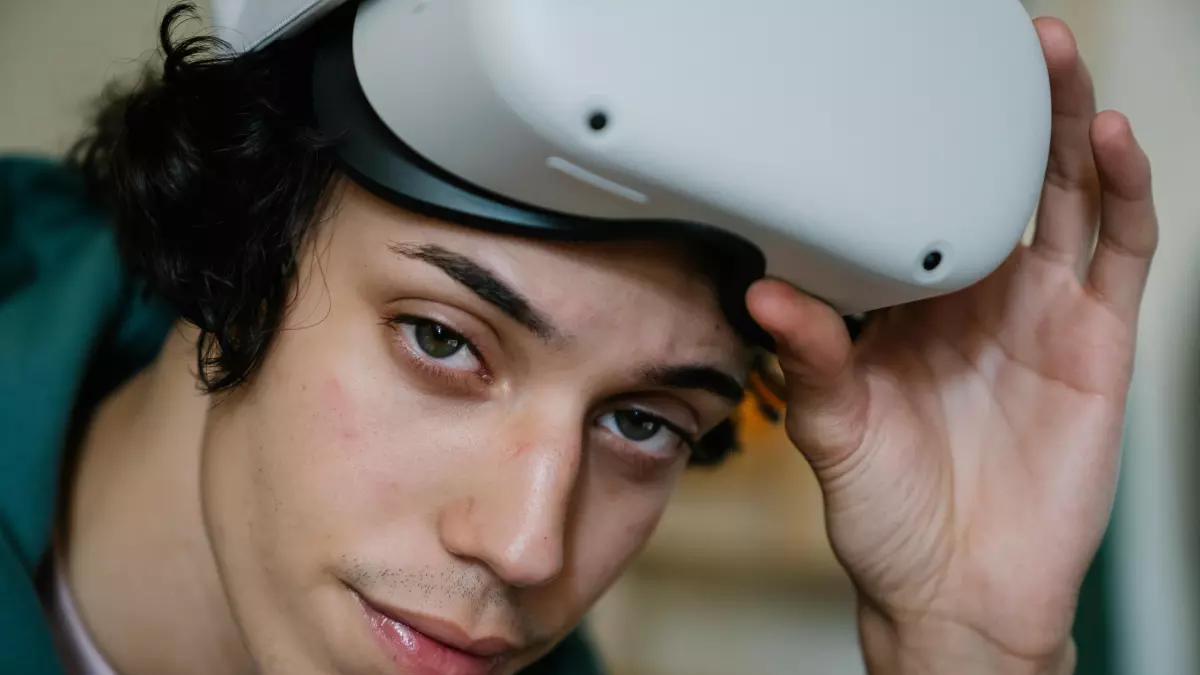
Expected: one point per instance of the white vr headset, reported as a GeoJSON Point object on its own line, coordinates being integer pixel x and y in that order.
{"type": "Point", "coordinates": [871, 152]}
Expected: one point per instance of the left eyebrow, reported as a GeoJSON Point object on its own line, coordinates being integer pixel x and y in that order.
{"type": "Point", "coordinates": [704, 378]}
{"type": "Point", "coordinates": [484, 283]}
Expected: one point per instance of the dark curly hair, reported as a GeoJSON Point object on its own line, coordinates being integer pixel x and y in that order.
{"type": "Point", "coordinates": [214, 172]}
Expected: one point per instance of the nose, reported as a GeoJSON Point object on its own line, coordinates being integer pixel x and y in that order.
{"type": "Point", "coordinates": [515, 518]}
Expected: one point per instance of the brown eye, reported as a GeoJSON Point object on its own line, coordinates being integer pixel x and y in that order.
{"type": "Point", "coordinates": [636, 425]}
{"type": "Point", "coordinates": [437, 341]}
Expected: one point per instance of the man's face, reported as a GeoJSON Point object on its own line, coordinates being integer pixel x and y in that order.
{"type": "Point", "coordinates": [469, 434]}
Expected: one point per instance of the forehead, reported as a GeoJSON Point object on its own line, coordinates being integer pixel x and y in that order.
{"type": "Point", "coordinates": [651, 294]}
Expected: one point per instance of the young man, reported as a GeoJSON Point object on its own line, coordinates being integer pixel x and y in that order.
{"type": "Point", "coordinates": [340, 437]}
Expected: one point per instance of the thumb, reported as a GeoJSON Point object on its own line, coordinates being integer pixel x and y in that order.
{"type": "Point", "coordinates": [826, 395]}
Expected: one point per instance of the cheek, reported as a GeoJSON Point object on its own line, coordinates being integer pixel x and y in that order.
{"type": "Point", "coordinates": [336, 458]}
{"type": "Point", "coordinates": [355, 455]}
{"type": "Point", "coordinates": [613, 522]}
{"type": "Point", "coordinates": [365, 464]}
{"type": "Point", "coordinates": [375, 460]}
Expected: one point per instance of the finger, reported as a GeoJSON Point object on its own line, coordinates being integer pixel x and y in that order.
{"type": "Point", "coordinates": [1129, 226]}
{"type": "Point", "coordinates": [1069, 207]}
{"type": "Point", "coordinates": [825, 397]}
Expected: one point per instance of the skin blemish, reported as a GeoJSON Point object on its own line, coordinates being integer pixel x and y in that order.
{"type": "Point", "coordinates": [335, 398]}
{"type": "Point", "coordinates": [340, 408]}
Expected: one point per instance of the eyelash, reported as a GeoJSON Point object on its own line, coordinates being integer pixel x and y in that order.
{"type": "Point", "coordinates": [643, 462]}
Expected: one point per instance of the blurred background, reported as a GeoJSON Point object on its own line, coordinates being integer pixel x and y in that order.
{"type": "Point", "coordinates": [739, 578]}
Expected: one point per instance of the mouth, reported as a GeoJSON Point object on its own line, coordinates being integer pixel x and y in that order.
{"type": "Point", "coordinates": [425, 645]}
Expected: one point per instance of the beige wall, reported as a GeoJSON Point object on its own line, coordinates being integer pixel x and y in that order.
{"type": "Point", "coordinates": [55, 56]}
{"type": "Point", "coordinates": [1151, 71]}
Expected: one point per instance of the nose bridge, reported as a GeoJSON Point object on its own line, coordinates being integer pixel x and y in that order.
{"type": "Point", "coordinates": [517, 517]}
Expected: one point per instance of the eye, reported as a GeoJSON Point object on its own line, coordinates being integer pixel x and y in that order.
{"type": "Point", "coordinates": [439, 343]}
{"type": "Point", "coordinates": [437, 340]}
{"type": "Point", "coordinates": [637, 425]}
{"type": "Point", "coordinates": [648, 432]}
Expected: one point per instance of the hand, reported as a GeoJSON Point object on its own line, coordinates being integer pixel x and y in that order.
{"type": "Point", "coordinates": [967, 446]}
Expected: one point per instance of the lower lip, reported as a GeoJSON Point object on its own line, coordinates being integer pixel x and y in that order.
{"type": "Point", "coordinates": [418, 654]}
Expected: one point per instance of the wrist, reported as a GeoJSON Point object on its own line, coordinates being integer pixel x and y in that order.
{"type": "Point", "coordinates": [931, 646]}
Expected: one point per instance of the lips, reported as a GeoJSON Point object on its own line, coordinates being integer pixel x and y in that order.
{"type": "Point", "coordinates": [423, 645]}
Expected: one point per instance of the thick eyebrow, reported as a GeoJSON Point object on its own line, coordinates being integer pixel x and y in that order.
{"type": "Point", "coordinates": [482, 282]}
{"type": "Point", "coordinates": [705, 378]}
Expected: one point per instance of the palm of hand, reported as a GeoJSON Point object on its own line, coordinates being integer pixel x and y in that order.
{"type": "Point", "coordinates": [968, 445]}
{"type": "Point", "coordinates": [1007, 400]}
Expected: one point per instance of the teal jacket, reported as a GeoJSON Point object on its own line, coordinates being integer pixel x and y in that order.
{"type": "Point", "coordinates": [73, 326]}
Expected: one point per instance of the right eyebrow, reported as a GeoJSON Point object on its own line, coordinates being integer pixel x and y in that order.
{"type": "Point", "coordinates": [698, 376]}
{"type": "Point", "coordinates": [484, 283]}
